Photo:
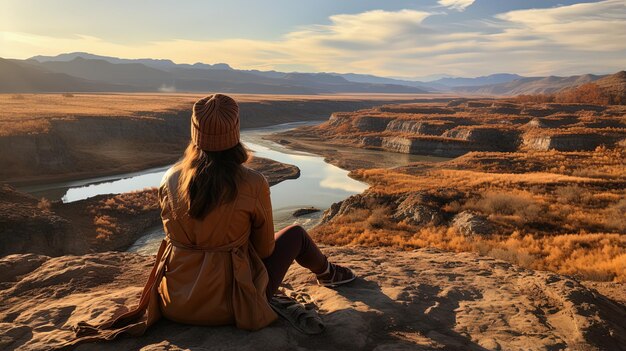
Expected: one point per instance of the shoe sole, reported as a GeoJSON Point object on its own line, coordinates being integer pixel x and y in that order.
{"type": "Point", "coordinates": [332, 285]}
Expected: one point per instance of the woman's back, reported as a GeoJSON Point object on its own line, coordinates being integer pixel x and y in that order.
{"type": "Point", "coordinates": [214, 274]}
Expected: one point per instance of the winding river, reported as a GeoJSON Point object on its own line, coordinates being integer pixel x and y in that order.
{"type": "Point", "coordinates": [320, 184]}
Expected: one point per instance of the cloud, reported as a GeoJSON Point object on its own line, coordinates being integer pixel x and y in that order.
{"type": "Point", "coordinates": [588, 26]}
{"type": "Point", "coordinates": [459, 5]}
{"type": "Point", "coordinates": [588, 37]}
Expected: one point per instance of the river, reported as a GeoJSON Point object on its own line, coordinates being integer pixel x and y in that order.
{"type": "Point", "coordinates": [320, 184]}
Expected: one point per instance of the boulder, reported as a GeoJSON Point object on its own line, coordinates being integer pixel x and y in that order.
{"type": "Point", "coordinates": [470, 223]}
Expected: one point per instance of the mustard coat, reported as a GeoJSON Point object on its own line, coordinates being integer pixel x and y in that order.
{"type": "Point", "coordinates": [213, 273]}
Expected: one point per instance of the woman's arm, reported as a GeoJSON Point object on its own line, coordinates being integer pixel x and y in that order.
{"type": "Point", "coordinates": [262, 235]}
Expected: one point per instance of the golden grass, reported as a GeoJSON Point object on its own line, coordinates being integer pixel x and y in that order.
{"type": "Point", "coordinates": [30, 113]}
{"type": "Point", "coordinates": [109, 213]}
{"type": "Point", "coordinates": [554, 219]}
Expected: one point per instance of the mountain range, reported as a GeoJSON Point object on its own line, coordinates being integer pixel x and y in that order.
{"type": "Point", "coordinates": [529, 85]}
{"type": "Point", "coordinates": [85, 72]}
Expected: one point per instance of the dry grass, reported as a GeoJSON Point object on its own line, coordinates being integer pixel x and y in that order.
{"type": "Point", "coordinates": [44, 204]}
{"type": "Point", "coordinates": [588, 93]}
{"type": "Point", "coordinates": [551, 218]}
{"type": "Point", "coordinates": [30, 113]}
{"type": "Point", "coordinates": [562, 211]}
{"type": "Point", "coordinates": [109, 213]}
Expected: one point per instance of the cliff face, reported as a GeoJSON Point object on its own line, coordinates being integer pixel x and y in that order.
{"type": "Point", "coordinates": [422, 299]}
{"type": "Point", "coordinates": [463, 125]}
{"type": "Point", "coordinates": [143, 133]}
{"type": "Point", "coordinates": [427, 146]}
{"type": "Point", "coordinates": [370, 124]}
{"type": "Point", "coordinates": [91, 145]}
{"type": "Point", "coordinates": [567, 142]}
{"type": "Point", "coordinates": [418, 127]}
{"type": "Point", "coordinates": [27, 226]}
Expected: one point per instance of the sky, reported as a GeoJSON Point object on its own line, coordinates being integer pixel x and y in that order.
{"type": "Point", "coordinates": [393, 38]}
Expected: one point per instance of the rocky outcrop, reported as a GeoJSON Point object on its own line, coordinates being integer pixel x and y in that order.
{"type": "Point", "coordinates": [470, 223]}
{"type": "Point", "coordinates": [464, 125]}
{"type": "Point", "coordinates": [419, 127]}
{"type": "Point", "coordinates": [403, 300]}
{"type": "Point", "coordinates": [427, 146]}
{"type": "Point", "coordinates": [409, 108]}
{"type": "Point", "coordinates": [415, 210]}
{"type": "Point", "coordinates": [487, 138]}
{"type": "Point", "coordinates": [93, 145]}
{"type": "Point", "coordinates": [27, 225]}
{"type": "Point", "coordinates": [370, 123]}
{"type": "Point", "coordinates": [355, 202]}
{"type": "Point", "coordinates": [371, 141]}
{"type": "Point", "coordinates": [305, 211]}
{"type": "Point", "coordinates": [338, 118]}
{"type": "Point", "coordinates": [567, 142]}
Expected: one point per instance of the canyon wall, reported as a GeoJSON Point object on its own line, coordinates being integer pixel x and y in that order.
{"type": "Point", "coordinates": [459, 126]}
{"type": "Point", "coordinates": [74, 147]}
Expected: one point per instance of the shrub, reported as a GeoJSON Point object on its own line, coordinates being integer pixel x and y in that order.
{"type": "Point", "coordinates": [44, 204]}
{"type": "Point", "coordinates": [508, 204]}
{"type": "Point", "coordinates": [377, 219]}
{"type": "Point", "coordinates": [589, 93]}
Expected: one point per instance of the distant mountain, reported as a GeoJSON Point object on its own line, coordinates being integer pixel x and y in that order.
{"type": "Point", "coordinates": [135, 74]}
{"type": "Point", "coordinates": [374, 83]}
{"type": "Point", "coordinates": [614, 83]}
{"type": "Point", "coordinates": [611, 87]}
{"type": "Point", "coordinates": [161, 64]}
{"type": "Point", "coordinates": [368, 78]}
{"type": "Point", "coordinates": [354, 78]}
{"type": "Point", "coordinates": [21, 77]}
{"type": "Point", "coordinates": [165, 75]}
{"type": "Point", "coordinates": [530, 85]}
{"type": "Point", "coordinates": [478, 81]}
{"type": "Point", "coordinates": [80, 71]}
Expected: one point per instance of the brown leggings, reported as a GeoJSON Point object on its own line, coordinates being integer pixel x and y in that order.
{"type": "Point", "coordinates": [292, 242]}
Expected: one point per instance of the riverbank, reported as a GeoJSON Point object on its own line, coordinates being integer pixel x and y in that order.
{"type": "Point", "coordinates": [55, 138]}
{"type": "Point", "coordinates": [100, 223]}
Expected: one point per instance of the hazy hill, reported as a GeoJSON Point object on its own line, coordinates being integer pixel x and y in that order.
{"type": "Point", "coordinates": [368, 78]}
{"type": "Point", "coordinates": [478, 81]}
{"type": "Point", "coordinates": [162, 64]}
{"type": "Point", "coordinates": [165, 75]}
{"type": "Point", "coordinates": [610, 89]}
{"type": "Point", "coordinates": [615, 83]}
{"type": "Point", "coordinates": [135, 74]}
{"type": "Point", "coordinates": [21, 77]}
{"type": "Point", "coordinates": [531, 85]}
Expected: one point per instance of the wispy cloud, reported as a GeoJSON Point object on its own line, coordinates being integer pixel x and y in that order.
{"type": "Point", "coordinates": [588, 37]}
{"type": "Point", "coordinates": [459, 5]}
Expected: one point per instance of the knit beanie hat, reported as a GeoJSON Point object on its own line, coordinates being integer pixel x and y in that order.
{"type": "Point", "coordinates": [215, 123]}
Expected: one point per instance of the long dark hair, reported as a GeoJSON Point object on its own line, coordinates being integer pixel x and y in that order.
{"type": "Point", "coordinates": [208, 179]}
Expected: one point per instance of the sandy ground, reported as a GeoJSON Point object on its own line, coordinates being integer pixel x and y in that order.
{"type": "Point", "coordinates": [416, 300]}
